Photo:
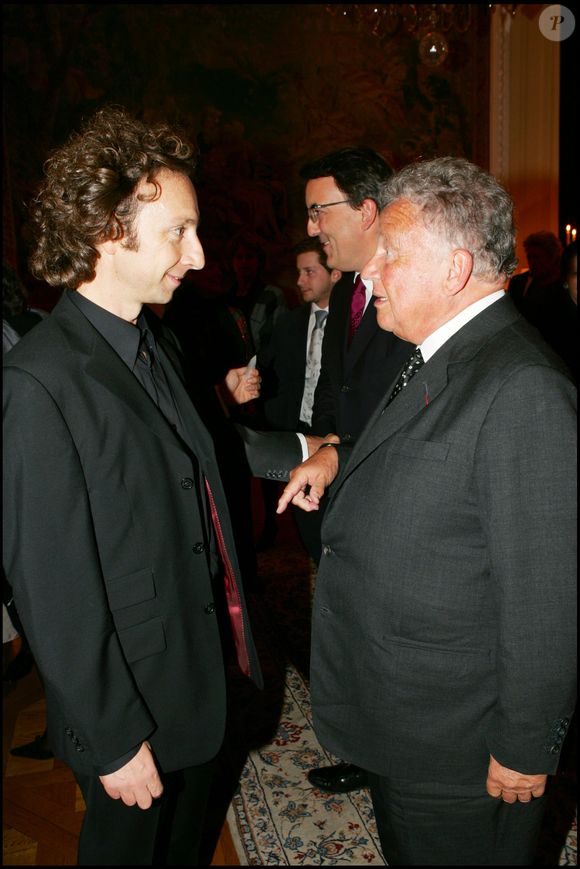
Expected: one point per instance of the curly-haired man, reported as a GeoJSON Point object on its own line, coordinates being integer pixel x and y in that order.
{"type": "Point", "coordinates": [118, 541]}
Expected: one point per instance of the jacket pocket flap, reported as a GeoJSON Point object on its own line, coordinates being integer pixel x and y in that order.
{"type": "Point", "coordinates": [141, 641]}
{"type": "Point", "coordinates": [433, 450]}
{"type": "Point", "coordinates": [129, 590]}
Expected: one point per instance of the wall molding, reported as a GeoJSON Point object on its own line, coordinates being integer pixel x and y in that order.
{"type": "Point", "coordinates": [524, 119]}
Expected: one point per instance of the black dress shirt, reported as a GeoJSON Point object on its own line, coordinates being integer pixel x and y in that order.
{"type": "Point", "coordinates": [137, 348]}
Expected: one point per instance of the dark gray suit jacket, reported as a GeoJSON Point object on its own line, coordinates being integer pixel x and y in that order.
{"type": "Point", "coordinates": [444, 612]}
{"type": "Point", "coordinates": [110, 549]}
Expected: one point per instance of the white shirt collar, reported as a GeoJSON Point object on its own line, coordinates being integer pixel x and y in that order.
{"type": "Point", "coordinates": [438, 338]}
{"type": "Point", "coordinates": [368, 287]}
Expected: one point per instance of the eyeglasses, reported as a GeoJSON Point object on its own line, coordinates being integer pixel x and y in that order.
{"type": "Point", "coordinates": [314, 210]}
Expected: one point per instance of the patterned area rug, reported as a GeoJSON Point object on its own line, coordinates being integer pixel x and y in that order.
{"type": "Point", "coordinates": [276, 817]}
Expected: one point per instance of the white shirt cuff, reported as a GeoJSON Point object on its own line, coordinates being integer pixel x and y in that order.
{"type": "Point", "coordinates": [303, 444]}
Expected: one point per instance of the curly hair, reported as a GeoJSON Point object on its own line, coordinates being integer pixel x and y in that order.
{"type": "Point", "coordinates": [467, 205]}
{"type": "Point", "coordinates": [89, 193]}
{"type": "Point", "coordinates": [358, 172]}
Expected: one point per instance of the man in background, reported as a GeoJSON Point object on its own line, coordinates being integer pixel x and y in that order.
{"type": "Point", "coordinates": [359, 359]}
{"type": "Point", "coordinates": [291, 364]}
{"type": "Point", "coordinates": [536, 291]}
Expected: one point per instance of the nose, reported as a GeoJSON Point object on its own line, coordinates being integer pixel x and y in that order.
{"type": "Point", "coordinates": [312, 228]}
{"type": "Point", "coordinates": [370, 270]}
{"type": "Point", "coordinates": [193, 255]}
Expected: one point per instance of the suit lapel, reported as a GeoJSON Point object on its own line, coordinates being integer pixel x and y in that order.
{"type": "Point", "coordinates": [429, 382]}
{"type": "Point", "coordinates": [340, 311]}
{"type": "Point", "coordinates": [107, 368]}
{"type": "Point", "coordinates": [198, 438]}
{"type": "Point", "coordinates": [424, 388]}
{"type": "Point", "coordinates": [302, 335]}
{"type": "Point", "coordinates": [111, 372]}
{"type": "Point", "coordinates": [367, 329]}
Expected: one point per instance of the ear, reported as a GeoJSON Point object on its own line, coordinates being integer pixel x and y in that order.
{"type": "Point", "coordinates": [335, 276]}
{"type": "Point", "coordinates": [369, 212]}
{"type": "Point", "coordinates": [107, 247]}
{"type": "Point", "coordinates": [460, 267]}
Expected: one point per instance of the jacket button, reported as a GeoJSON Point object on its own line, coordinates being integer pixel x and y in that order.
{"type": "Point", "coordinates": [346, 437]}
{"type": "Point", "coordinates": [345, 388]}
{"type": "Point", "coordinates": [209, 609]}
{"type": "Point", "coordinates": [198, 548]}
{"type": "Point", "coordinates": [187, 483]}
{"type": "Point", "coordinates": [326, 550]}
{"type": "Point", "coordinates": [79, 748]}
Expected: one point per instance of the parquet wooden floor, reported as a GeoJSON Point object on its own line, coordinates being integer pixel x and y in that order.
{"type": "Point", "coordinates": [42, 805]}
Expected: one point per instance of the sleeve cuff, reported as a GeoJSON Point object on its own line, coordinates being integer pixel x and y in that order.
{"type": "Point", "coordinates": [116, 765]}
{"type": "Point", "coordinates": [303, 444]}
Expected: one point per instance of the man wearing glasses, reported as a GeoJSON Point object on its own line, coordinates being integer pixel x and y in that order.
{"type": "Point", "coordinates": [359, 360]}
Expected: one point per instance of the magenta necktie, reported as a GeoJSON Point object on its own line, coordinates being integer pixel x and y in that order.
{"type": "Point", "coordinates": [357, 307]}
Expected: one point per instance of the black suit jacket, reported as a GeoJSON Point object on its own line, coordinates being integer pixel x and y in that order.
{"type": "Point", "coordinates": [353, 380]}
{"type": "Point", "coordinates": [283, 369]}
{"type": "Point", "coordinates": [108, 544]}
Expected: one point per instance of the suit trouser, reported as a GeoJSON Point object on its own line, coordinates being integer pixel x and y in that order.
{"type": "Point", "coordinates": [309, 525]}
{"type": "Point", "coordinates": [441, 824]}
{"type": "Point", "coordinates": [167, 834]}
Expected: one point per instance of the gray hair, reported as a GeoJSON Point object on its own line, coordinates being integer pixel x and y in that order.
{"type": "Point", "coordinates": [467, 205]}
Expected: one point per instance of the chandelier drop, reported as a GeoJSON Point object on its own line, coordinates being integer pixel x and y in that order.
{"type": "Point", "coordinates": [429, 22]}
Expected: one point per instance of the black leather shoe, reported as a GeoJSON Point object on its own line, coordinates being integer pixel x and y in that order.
{"type": "Point", "coordinates": [38, 749]}
{"type": "Point", "coordinates": [339, 779]}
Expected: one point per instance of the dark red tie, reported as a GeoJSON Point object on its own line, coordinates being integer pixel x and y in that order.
{"type": "Point", "coordinates": [231, 589]}
{"type": "Point", "coordinates": [357, 307]}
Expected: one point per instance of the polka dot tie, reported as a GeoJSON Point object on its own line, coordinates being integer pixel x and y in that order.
{"type": "Point", "coordinates": [411, 367]}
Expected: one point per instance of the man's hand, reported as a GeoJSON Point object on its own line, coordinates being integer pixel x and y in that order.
{"type": "Point", "coordinates": [136, 782]}
{"type": "Point", "coordinates": [242, 385]}
{"type": "Point", "coordinates": [511, 785]}
{"type": "Point", "coordinates": [313, 442]}
{"type": "Point", "coordinates": [309, 480]}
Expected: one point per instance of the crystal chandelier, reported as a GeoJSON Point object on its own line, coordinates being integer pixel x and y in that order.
{"type": "Point", "coordinates": [429, 22]}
